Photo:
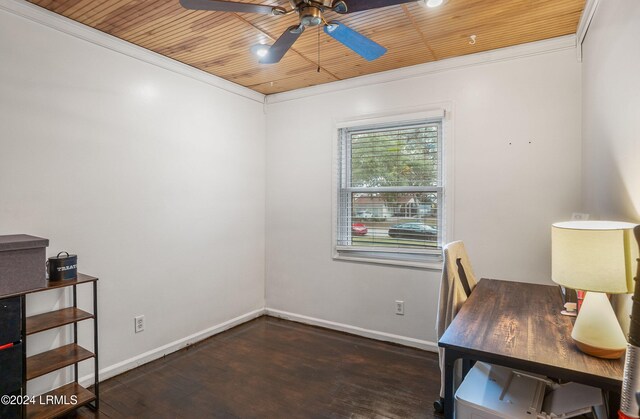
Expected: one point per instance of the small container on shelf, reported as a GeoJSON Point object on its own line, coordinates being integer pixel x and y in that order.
{"type": "Point", "coordinates": [63, 266]}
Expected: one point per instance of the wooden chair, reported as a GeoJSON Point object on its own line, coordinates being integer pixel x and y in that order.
{"type": "Point", "coordinates": [457, 283]}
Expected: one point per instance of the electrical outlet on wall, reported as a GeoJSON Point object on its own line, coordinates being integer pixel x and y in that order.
{"type": "Point", "coordinates": [400, 308]}
{"type": "Point", "coordinates": [579, 216]}
{"type": "Point", "coordinates": [139, 323]}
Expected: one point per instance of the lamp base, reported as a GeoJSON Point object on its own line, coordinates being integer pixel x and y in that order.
{"type": "Point", "coordinates": [596, 331]}
{"type": "Point", "coordinates": [599, 352]}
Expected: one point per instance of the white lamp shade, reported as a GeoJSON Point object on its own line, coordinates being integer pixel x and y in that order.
{"type": "Point", "coordinates": [593, 255]}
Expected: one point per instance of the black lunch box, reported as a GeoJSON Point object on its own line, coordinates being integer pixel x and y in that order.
{"type": "Point", "coordinates": [62, 267]}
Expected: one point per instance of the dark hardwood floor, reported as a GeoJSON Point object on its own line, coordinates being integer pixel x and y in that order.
{"type": "Point", "coordinates": [273, 368]}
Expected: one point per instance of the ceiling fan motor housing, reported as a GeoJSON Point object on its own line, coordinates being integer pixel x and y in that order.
{"type": "Point", "coordinates": [310, 15]}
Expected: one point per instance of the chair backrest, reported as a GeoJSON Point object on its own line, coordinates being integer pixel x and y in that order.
{"type": "Point", "coordinates": [463, 277]}
{"type": "Point", "coordinates": [458, 265]}
{"type": "Point", "coordinates": [456, 284]}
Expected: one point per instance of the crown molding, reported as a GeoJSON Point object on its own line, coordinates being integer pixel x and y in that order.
{"type": "Point", "coordinates": [503, 54]}
{"type": "Point", "coordinates": [54, 21]}
{"type": "Point", "coordinates": [588, 13]}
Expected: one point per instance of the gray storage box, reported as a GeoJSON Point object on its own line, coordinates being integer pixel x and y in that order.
{"type": "Point", "coordinates": [22, 263]}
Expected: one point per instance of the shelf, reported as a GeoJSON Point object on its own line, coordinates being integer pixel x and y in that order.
{"type": "Point", "coordinates": [45, 285]}
{"type": "Point", "coordinates": [55, 359]}
{"type": "Point", "coordinates": [54, 319]}
{"type": "Point", "coordinates": [65, 399]}
{"type": "Point", "coordinates": [50, 285]}
{"type": "Point", "coordinates": [48, 411]}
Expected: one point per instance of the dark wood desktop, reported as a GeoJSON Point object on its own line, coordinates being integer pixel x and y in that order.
{"type": "Point", "coordinates": [519, 325]}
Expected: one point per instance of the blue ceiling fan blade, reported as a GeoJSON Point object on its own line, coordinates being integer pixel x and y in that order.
{"type": "Point", "coordinates": [358, 43]}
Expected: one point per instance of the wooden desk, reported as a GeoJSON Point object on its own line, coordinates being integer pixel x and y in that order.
{"type": "Point", "coordinates": [519, 326]}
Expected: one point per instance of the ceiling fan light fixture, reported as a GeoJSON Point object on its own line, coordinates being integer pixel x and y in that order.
{"type": "Point", "coordinates": [310, 21]}
{"type": "Point", "coordinates": [310, 16]}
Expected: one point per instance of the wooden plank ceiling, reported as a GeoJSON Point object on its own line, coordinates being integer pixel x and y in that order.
{"type": "Point", "coordinates": [220, 43]}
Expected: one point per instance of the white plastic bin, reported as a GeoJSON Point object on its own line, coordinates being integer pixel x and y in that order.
{"type": "Point", "coordinates": [495, 392]}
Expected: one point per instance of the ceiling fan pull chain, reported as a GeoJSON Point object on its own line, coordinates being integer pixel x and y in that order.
{"type": "Point", "coordinates": [318, 48]}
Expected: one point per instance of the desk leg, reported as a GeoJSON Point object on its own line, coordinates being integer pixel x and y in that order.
{"type": "Point", "coordinates": [450, 358]}
{"type": "Point", "coordinates": [613, 403]}
{"type": "Point", "coordinates": [467, 364]}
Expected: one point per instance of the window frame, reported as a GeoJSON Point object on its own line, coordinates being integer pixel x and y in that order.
{"type": "Point", "coordinates": [420, 258]}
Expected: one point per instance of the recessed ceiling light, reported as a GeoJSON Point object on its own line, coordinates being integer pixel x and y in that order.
{"type": "Point", "coordinates": [433, 3]}
{"type": "Point", "coordinates": [260, 50]}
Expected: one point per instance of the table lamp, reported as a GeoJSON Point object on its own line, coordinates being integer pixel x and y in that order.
{"type": "Point", "coordinates": [594, 256]}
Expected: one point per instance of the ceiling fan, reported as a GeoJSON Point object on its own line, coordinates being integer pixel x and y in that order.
{"type": "Point", "coordinates": [310, 13]}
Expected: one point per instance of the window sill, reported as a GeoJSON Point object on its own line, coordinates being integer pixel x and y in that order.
{"type": "Point", "coordinates": [433, 263]}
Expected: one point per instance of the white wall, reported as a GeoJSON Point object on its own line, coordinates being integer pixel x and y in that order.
{"type": "Point", "coordinates": [611, 109]}
{"type": "Point", "coordinates": [611, 117]}
{"type": "Point", "coordinates": [506, 196]}
{"type": "Point", "coordinates": [154, 179]}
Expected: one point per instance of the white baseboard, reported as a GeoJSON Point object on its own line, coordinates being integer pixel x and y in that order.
{"type": "Point", "coordinates": [136, 361]}
{"type": "Point", "coordinates": [372, 334]}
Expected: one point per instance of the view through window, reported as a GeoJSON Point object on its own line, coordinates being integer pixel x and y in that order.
{"type": "Point", "coordinates": [390, 189]}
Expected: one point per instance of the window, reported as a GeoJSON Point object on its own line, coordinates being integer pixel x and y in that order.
{"type": "Point", "coordinates": [390, 192]}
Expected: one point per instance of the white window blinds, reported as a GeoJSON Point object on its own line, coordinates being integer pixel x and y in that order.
{"type": "Point", "coordinates": [390, 190]}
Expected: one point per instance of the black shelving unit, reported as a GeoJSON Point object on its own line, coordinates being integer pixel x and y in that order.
{"type": "Point", "coordinates": [64, 356]}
